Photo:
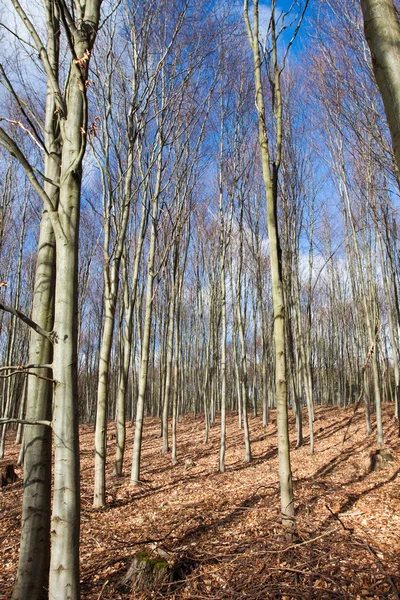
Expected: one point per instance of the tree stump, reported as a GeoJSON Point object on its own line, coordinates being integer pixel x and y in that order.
{"type": "Point", "coordinates": [377, 460]}
{"type": "Point", "coordinates": [149, 572]}
{"type": "Point", "coordinates": [8, 475]}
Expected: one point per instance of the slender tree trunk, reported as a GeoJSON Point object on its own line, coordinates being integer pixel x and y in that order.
{"type": "Point", "coordinates": [170, 351]}
{"type": "Point", "coordinates": [271, 187]}
{"type": "Point", "coordinates": [127, 341]}
{"type": "Point", "coordinates": [111, 270]}
{"type": "Point", "coordinates": [145, 349]}
{"type": "Point", "coordinates": [9, 384]}
{"type": "Point", "coordinates": [243, 357]}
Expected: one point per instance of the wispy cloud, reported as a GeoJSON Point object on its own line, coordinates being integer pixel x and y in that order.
{"type": "Point", "coordinates": [264, 17]}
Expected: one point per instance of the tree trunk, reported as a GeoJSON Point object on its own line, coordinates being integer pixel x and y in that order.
{"type": "Point", "coordinates": [65, 520]}
{"type": "Point", "coordinates": [382, 32]}
{"type": "Point", "coordinates": [34, 556]}
{"type": "Point", "coordinates": [145, 350]}
{"type": "Point", "coordinates": [271, 187]}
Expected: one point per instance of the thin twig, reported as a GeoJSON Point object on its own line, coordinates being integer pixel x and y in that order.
{"type": "Point", "coordinates": [335, 516]}
{"type": "Point", "coordinates": [380, 566]}
{"type": "Point", "coordinates": [102, 589]}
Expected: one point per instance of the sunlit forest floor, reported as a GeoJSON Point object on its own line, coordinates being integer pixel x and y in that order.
{"type": "Point", "coordinates": [224, 529]}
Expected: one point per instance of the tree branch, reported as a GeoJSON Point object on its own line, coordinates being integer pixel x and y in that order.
{"type": "Point", "coordinates": [15, 151]}
{"type": "Point", "coordinates": [42, 54]}
{"type": "Point", "coordinates": [20, 367]}
{"type": "Point", "coordinates": [24, 110]}
{"type": "Point", "coordinates": [23, 372]}
{"type": "Point", "coordinates": [24, 422]}
{"type": "Point", "coordinates": [50, 335]}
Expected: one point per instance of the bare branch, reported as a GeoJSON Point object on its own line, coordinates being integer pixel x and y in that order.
{"type": "Point", "coordinates": [23, 372]}
{"type": "Point", "coordinates": [50, 335]}
{"type": "Point", "coordinates": [43, 55]}
{"type": "Point", "coordinates": [19, 124]}
{"type": "Point", "coordinates": [24, 109]}
{"type": "Point", "coordinates": [15, 151]}
{"type": "Point", "coordinates": [21, 367]}
{"type": "Point", "coordinates": [25, 422]}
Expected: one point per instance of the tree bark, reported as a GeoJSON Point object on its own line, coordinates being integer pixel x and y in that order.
{"type": "Point", "coordinates": [270, 176]}
{"type": "Point", "coordinates": [34, 556]}
{"type": "Point", "coordinates": [382, 32]}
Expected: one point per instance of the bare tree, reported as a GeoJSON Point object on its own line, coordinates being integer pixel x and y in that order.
{"type": "Point", "coordinates": [70, 110]}
{"type": "Point", "coordinates": [271, 162]}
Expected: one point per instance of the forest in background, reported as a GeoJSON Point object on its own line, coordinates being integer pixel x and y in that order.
{"type": "Point", "coordinates": [151, 276]}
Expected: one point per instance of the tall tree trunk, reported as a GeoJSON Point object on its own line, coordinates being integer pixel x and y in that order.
{"type": "Point", "coordinates": [170, 348]}
{"type": "Point", "coordinates": [270, 176]}
{"type": "Point", "coordinates": [111, 268]}
{"type": "Point", "coordinates": [382, 32]}
{"type": "Point", "coordinates": [145, 349]}
{"type": "Point", "coordinates": [127, 342]}
{"type": "Point", "coordinates": [65, 520]}
{"type": "Point", "coordinates": [34, 556]}
{"type": "Point", "coordinates": [243, 353]}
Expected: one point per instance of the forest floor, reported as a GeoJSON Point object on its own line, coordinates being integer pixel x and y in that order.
{"type": "Point", "coordinates": [224, 529]}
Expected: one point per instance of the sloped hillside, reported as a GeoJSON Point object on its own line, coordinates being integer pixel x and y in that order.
{"type": "Point", "coordinates": [223, 530]}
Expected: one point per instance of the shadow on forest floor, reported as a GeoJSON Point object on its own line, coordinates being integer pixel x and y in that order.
{"type": "Point", "coordinates": [227, 527]}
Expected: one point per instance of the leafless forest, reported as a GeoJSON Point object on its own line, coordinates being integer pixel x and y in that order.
{"type": "Point", "coordinates": [199, 299]}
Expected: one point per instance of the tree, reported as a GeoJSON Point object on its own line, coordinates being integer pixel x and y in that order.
{"type": "Point", "coordinates": [271, 163]}
{"type": "Point", "coordinates": [382, 32]}
{"type": "Point", "coordinates": [68, 107]}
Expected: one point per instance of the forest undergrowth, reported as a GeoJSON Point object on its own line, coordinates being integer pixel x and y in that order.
{"type": "Point", "coordinates": [223, 530]}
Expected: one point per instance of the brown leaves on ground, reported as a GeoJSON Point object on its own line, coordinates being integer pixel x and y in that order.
{"type": "Point", "coordinates": [224, 530]}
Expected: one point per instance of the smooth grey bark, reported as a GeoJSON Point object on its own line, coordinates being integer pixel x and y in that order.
{"type": "Point", "coordinates": [34, 556]}
{"type": "Point", "coordinates": [366, 297]}
{"type": "Point", "coordinates": [64, 565]}
{"type": "Point", "coordinates": [303, 346]}
{"type": "Point", "coordinates": [270, 169]}
{"type": "Point", "coordinates": [390, 274]}
{"type": "Point", "coordinates": [243, 351]}
{"type": "Point", "coordinates": [71, 108]}
{"type": "Point", "coordinates": [177, 348]}
{"type": "Point", "coordinates": [129, 304]}
{"type": "Point", "coordinates": [382, 32]}
{"type": "Point", "coordinates": [146, 339]}
{"type": "Point", "coordinates": [170, 324]}
{"type": "Point", "coordinates": [111, 268]}
{"type": "Point", "coordinates": [175, 414]}
{"type": "Point", "coordinates": [254, 216]}
{"type": "Point", "coordinates": [223, 247]}
{"type": "Point", "coordinates": [225, 231]}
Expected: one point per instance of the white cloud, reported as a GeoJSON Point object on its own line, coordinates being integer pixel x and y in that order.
{"type": "Point", "coordinates": [264, 17]}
